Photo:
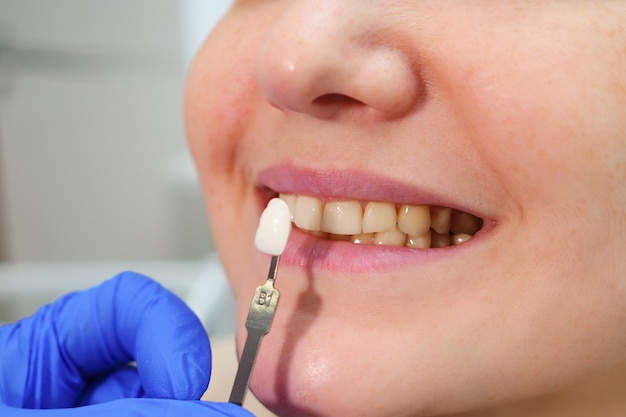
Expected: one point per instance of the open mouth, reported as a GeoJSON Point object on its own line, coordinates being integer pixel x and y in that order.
{"type": "Point", "coordinates": [382, 223]}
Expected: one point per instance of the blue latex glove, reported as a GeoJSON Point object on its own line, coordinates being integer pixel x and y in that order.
{"type": "Point", "coordinates": [72, 358]}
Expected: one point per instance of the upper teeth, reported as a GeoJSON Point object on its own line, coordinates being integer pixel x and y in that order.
{"type": "Point", "coordinates": [384, 223]}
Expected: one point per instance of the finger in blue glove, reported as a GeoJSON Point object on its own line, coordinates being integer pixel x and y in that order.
{"type": "Point", "coordinates": [77, 350]}
{"type": "Point", "coordinates": [136, 407]}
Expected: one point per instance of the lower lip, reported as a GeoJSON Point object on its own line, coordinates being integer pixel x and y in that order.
{"type": "Point", "coordinates": [312, 253]}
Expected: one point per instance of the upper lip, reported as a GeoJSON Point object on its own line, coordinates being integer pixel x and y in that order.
{"type": "Point", "coordinates": [351, 185]}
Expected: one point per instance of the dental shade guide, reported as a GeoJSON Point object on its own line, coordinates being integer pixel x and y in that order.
{"type": "Point", "coordinates": [271, 238]}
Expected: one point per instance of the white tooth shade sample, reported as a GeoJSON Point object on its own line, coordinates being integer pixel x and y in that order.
{"type": "Point", "coordinates": [274, 228]}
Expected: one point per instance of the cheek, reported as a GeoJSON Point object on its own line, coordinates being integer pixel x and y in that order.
{"type": "Point", "coordinates": [222, 90]}
{"type": "Point", "coordinates": [547, 112]}
{"type": "Point", "coordinates": [560, 157]}
{"type": "Point", "coordinates": [219, 97]}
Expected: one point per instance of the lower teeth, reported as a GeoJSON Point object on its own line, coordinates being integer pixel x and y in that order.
{"type": "Point", "coordinates": [430, 239]}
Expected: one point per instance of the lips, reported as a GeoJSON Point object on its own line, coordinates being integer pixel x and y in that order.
{"type": "Point", "coordinates": [385, 249]}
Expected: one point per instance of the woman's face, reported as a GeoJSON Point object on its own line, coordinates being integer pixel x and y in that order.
{"type": "Point", "coordinates": [513, 112]}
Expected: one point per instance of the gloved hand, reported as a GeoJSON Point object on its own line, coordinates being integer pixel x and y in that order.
{"type": "Point", "coordinates": [73, 357]}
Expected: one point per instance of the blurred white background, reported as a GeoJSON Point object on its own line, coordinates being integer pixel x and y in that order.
{"type": "Point", "coordinates": [94, 165]}
{"type": "Point", "coordinates": [94, 171]}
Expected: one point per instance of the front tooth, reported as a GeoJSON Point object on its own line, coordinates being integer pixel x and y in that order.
{"type": "Point", "coordinates": [394, 237]}
{"type": "Point", "coordinates": [414, 220]}
{"type": "Point", "coordinates": [290, 199]}
{"type": "Point", "coordinates": [440, 219]}
{"type": "Point", "coordinates": [379, 217]}
{"type": "Point", "coordinates": [342, 217]}
{"type": "Point", "coordinates": [307, 213]}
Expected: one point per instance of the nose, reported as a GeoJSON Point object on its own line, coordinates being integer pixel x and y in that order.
{"type": "Point", "coordinates": [329, 58]}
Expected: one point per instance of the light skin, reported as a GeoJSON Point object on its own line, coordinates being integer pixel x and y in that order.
{"type": "Point", "coordinates": [514, 111]}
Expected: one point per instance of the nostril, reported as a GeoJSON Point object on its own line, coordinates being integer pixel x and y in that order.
{"type": "Point", "coordinates": [333, 105]}
{"type": "Point", "coordinates": [312, 67]}
{"type": "Point", "coordinates": [336, 100]}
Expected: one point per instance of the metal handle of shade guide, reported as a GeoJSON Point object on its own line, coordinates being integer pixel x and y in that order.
{"type": "Point", "coordinates": [258, 324]}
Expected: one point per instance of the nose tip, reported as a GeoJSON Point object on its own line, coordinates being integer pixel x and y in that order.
{"type": "Point", "coordinates": [331, 73]}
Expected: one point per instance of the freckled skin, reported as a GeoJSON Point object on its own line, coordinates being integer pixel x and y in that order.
{"type": "Point", "coordinates": [515, 109]}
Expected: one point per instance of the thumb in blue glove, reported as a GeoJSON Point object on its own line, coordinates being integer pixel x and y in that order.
{"type": "Point", "coordinates": [72, 357]}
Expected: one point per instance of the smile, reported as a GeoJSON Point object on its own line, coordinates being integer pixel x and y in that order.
{"type": "Point", "coordinates": [382, 223]}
